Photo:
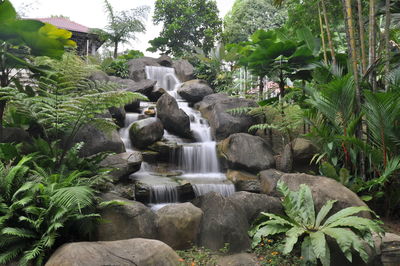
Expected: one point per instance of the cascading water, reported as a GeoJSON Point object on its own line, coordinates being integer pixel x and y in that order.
{"type": "Point", "coordinates": [197, 160]}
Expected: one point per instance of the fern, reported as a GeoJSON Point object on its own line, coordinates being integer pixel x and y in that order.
{"type": "Point", "coordinates": [347, 230]}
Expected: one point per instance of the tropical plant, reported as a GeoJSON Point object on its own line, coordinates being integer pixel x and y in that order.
{"type": "Point", "coordinates": [122, 26]}
{"type": "Point", "coordinates": [350, 232]}
{"type": "Point", "coordinates": [22, 38]}
{"type": "Point", "coordinates": [38, 208]}
{"type": "Point", "coordinates": [186, 23]}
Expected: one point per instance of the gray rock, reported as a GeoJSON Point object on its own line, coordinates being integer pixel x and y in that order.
{"type": "Point", "coordinates": [165, 60]}
{"type": "Point", "coordinates": [155, 94]}
{"type": "Point", "coordinates": [324, 189]}
{"type": "Point", "coordinates": [223, 222]}
{"type": "Point", "coordinates": [118, 114]}
{"type": "Point", "coordinates": [99, 75]}
{"type": "Point", "coordinates": [244, 181]}
{"type": "Point", "coordinates": [138, 251]}
{"type": "Point", "coordinates": [131, 220]}
{"type": "Point", "coordinates": [253, 204]}
{"type": "Point", "coordinates": [247, 152]}
{"type": "Point", "coordinates": [13, 134]}
{"type": "Point", "coordinates": [96, 141]}
{"type": "Point", "coordinates": [144, 87]}
{"type": "Point", "coordinates": [194, 90]}
{"type": "Point", "coordinates": [179, 224]}
{"type": "Point", "coordinates": [390, 250]}
{"type": "Point", "coordinates": [145, 132]}
{"type": "Point", "coordinates": [174, 119]}
{"type": "Point", "coordinates": [133, 107]}
{"type": "Point", "coordinates": [184, 70]}
{"type": "Point", "coordinates": [124, 164]}
{"type": "Point", "coordinates": [269, 178]}
{"type": "Point", "coordinates": [214, 108]}
{"type": "Point", "coordinates": [299, 158]}
{"type": "Point", "coordinates": [137, 67]}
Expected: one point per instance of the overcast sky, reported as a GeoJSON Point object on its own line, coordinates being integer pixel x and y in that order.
{"type": "Point", "coordinates": [91, 13]}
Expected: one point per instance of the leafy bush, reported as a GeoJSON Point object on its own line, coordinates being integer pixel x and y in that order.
{"type": "Point", "coordinates": [38, 208]}
{"type": "Point", "coordinates": [350, 232]}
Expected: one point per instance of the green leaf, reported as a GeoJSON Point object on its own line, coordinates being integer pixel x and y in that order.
{"type": "Point", "coordinates": [292, 236]}
{"type": "Point", "coordinates": [345, 213]}
{"type": "Point", "coordinates": [7, 11]}
{"type": "Point", "coordinates": [318, 243]}
{"type": "Point", "coordinates": [307, 251]}
{"type": "Point", "coordinates": [323, 212]}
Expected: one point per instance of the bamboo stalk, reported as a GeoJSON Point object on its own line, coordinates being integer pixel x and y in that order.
{"type": "Point", "coordinates": [322, 34]}
{"type": "Point", "coordinates": [328, 32]}
{"type": "Point", "coordinates": [362, 37]}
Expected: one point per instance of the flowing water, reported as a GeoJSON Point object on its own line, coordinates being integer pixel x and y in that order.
{"type": "Point", "coordinates": [197, 160]}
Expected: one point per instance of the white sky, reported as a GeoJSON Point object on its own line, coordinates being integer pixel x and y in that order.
{"type": "Point", "coordinates": [91, 14]}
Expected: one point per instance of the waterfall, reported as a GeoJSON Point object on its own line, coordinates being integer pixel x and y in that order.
{"type": "Point", "coordinates": [163, 194]}
{"type": "Point", "coordinates": [197, 160]}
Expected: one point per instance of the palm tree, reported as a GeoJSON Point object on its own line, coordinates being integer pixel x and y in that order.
{"type": "Point", "coordinates": [123, 25]}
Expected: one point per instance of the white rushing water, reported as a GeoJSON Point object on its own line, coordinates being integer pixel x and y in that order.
{"type": "Point", "coordinates": [198, 160]}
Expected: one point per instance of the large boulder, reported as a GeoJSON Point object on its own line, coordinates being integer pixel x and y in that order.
{"type": "Point", "coordinates": [13, 134]}
{"type": "Point", "coordinates": [118, 114]}
{"type": "Point", "coordinates": [215, 107]}
{"type": "Point", "coordinates": [173, 118]}
{"type": "Point", "coordinates": [123, 164]}
{"type": "Point", "coordinates": [137, 67]}
{"type": "Point", "coordinates": [390, 250]}
{"type": "Point", "coordinates": [324, 189]}
{"type": "Point", "coordinates": [297, 156]}
{"type": "Point", "coordinates": [95, 141]}
{"type": "Point", "coordinates": [194, 90]}
{"type": "Point", "coordinates": [138, 251]}
{"type": "Point", "coordinates": [99, 75]}
{"type": "Point", "coordinates": [268, 179]}
{"type": "Point", "coordinates": [165, 61]}
{"type": "Point", "coordinates": [223, 222]}
{"type": "Point", "coordinates": [244, 181]}
{"type": "Point", "coordinates": [253, 204]}
{"type": "Point", "coordinates": [179, 224]}
{"type": "Point", "coordinates": [184, 70]}
{"type": "Point", "coordinates": [247, 152]}
{"type": "Point", "coordinates": [144, 87]}
{"type": "Point", "coordinates": [145, 132]}
{"type": "Point", "coordinates": [130, 220]}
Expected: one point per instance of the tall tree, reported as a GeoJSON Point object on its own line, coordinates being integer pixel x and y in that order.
{"type": "Point", "coordinates": [248, 16]}
{"type": "Point", "coordinates": [186, 23]}
{"type": "Point", "coordinates": [372, 42]}
{"type": "Point", "coordinates": [362, 36]}
{"type": "Point", "coordinates": [122, 26]}
{"type": "Point", "coordinates": [387, 41]}
{"type": "Point", "coordinates": [328, 32]}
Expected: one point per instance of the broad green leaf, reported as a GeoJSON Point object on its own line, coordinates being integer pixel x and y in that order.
{"type": "Point", "coordinates": [292, 236]}
{"type": "Point", "coordinates": [323, 212]}
{"type": "Point", "coordinates": [307, 251]}
{"type": "Point", "coordinates": [318, 243]}
{"type": "Point", "coordinates": [7, 11]}
{"type": "Point", "coordinates": [345, 213]}
{"type": "Point", "coordinates": [271, 229]}
{"type": "Point", "coordinates": [342, 238]}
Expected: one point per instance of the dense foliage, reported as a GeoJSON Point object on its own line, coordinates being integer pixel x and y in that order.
{"type": "Point", "coordinates": [186, 23]}
{"type": "Point", "coordinates": [248, 16]}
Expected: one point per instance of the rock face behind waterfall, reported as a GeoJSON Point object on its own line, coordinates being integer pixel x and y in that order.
{"type": "Point", "coordinates": [145, 132]}
{"type": "Point", "coordinates": [214, 107]}
{"type": "Point", "coordinates": [174, 119]}
{"type": "Point", "coordinates": [244, 151]}
{"type": "Point", "coordinates": [194, 90]}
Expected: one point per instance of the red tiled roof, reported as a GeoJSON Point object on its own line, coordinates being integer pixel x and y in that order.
{"type": "Point", "coordinates": [65, 23]}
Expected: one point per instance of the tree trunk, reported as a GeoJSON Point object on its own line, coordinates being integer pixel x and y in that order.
{"type": "Point", "coordinates": [372, 43]}
{"type": "Point", "coordinates": [321, 25]}
{"type": "Point", "coordinates": [261, 88]}
{"type": "Point", "coordinates": [353, 53]}
{"type": "Point", "coordinates": [362, 37]}
{"type": "Point", "coordinates": [328, 32]}
{"type": "Point", "coordinates": [387, 43]}
{"type": "Point", "coordinates": [115, 49]}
